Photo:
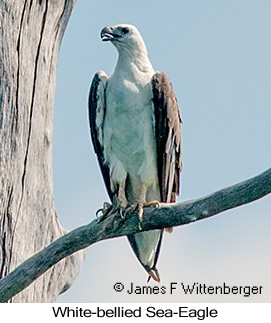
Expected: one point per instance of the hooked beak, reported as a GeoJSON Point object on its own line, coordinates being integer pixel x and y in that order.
{"type": "Point", "coordinates": [107, 34]}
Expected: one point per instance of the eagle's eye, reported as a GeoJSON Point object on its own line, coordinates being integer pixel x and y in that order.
{"type": "Point", "coordinates": [125, 30]}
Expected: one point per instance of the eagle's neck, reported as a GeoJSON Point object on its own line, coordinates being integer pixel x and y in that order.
{"type": "Point", "coordinates": [136, 58]}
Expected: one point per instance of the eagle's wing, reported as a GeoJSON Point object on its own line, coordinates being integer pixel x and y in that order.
{"type": "Point", "coordinates": [97, 109]}
{"type": "Point", "coordinates": [168, 137]}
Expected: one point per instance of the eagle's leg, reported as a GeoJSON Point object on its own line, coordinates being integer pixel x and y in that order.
{"type": "Point", "coordinates": [119, 204]}
{"type": "Point", "coordinates": [143, 203]}
{"type": "Point", "coordinates": [122, 198]}
{"type": "Point", "coordinates": [138, 204]}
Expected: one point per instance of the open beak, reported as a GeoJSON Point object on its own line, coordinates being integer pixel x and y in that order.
{"type": "Point", "coordinates": [107, 34]}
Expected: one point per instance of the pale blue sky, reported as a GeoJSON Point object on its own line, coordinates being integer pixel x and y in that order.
{"type": "Point", "coordinates": [217, 55]}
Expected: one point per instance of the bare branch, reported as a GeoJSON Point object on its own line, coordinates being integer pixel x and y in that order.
{"type": "Point", "coordinates": [114, 226]}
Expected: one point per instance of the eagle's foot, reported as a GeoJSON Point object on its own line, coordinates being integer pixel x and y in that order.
{"type": "Point", "coordinates": [122, 213]}
{"type": "Point", "coordinates": [116, 207]}
{"type": "Point", "coordinates": [140, 214]}
{"type": "Point", "coordinates": [119, 206]}
{"type": "Point", "coordinates": [153, 203]}
{"type": "Point", "coordinates": [141, 206]}
{"type": "Point", "coordinates": [107, 207]}
{"type": "Point", "coordinates": [132, 207]}
{"type": "Point", "coordinates": [129, 209]}
{"type": "Point", "coordinates": [140, 209]}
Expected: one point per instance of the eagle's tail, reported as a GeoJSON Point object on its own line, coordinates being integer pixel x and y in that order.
{"type": "Point", "coordinates": [154, 274]}
{"type": "Point", "coordinates": [146, 246]}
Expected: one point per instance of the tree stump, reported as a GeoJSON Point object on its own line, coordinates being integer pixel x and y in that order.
{"type": "Point", "coordinates": [30, 36]}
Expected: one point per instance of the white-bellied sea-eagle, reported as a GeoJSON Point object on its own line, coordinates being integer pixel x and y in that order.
{"type": "Point", "coordinates": [135, 129]}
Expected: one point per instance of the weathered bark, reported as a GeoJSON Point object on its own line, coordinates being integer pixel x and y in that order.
{"type": "Point", "coordinates": [113, 225]}
{"type": "Point", "coordinates": [30, 36]}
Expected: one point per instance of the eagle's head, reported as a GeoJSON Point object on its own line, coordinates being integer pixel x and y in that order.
{"type": "Point", "coordinates": [125, 38]}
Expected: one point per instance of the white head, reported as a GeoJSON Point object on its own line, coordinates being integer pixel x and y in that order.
{"type": "Point", "coordinates": [126, 38]}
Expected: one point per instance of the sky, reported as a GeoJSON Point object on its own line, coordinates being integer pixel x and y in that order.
{"type": "Point", "coordinates": [217, 56]}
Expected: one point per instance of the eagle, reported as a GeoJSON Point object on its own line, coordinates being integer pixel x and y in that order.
{"type": "Point", "coordinates": [135, 128]}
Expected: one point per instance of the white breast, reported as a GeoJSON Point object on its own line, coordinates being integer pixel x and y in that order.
{"type": "Point", "coordinates": [129, 138]}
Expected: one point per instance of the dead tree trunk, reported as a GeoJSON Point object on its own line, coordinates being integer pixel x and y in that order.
{"type": "Point", "coordinates": [30, 36]}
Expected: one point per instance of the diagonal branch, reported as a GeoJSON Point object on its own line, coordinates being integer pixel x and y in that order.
{"type": "Point", "coordinates": [114, 226]}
